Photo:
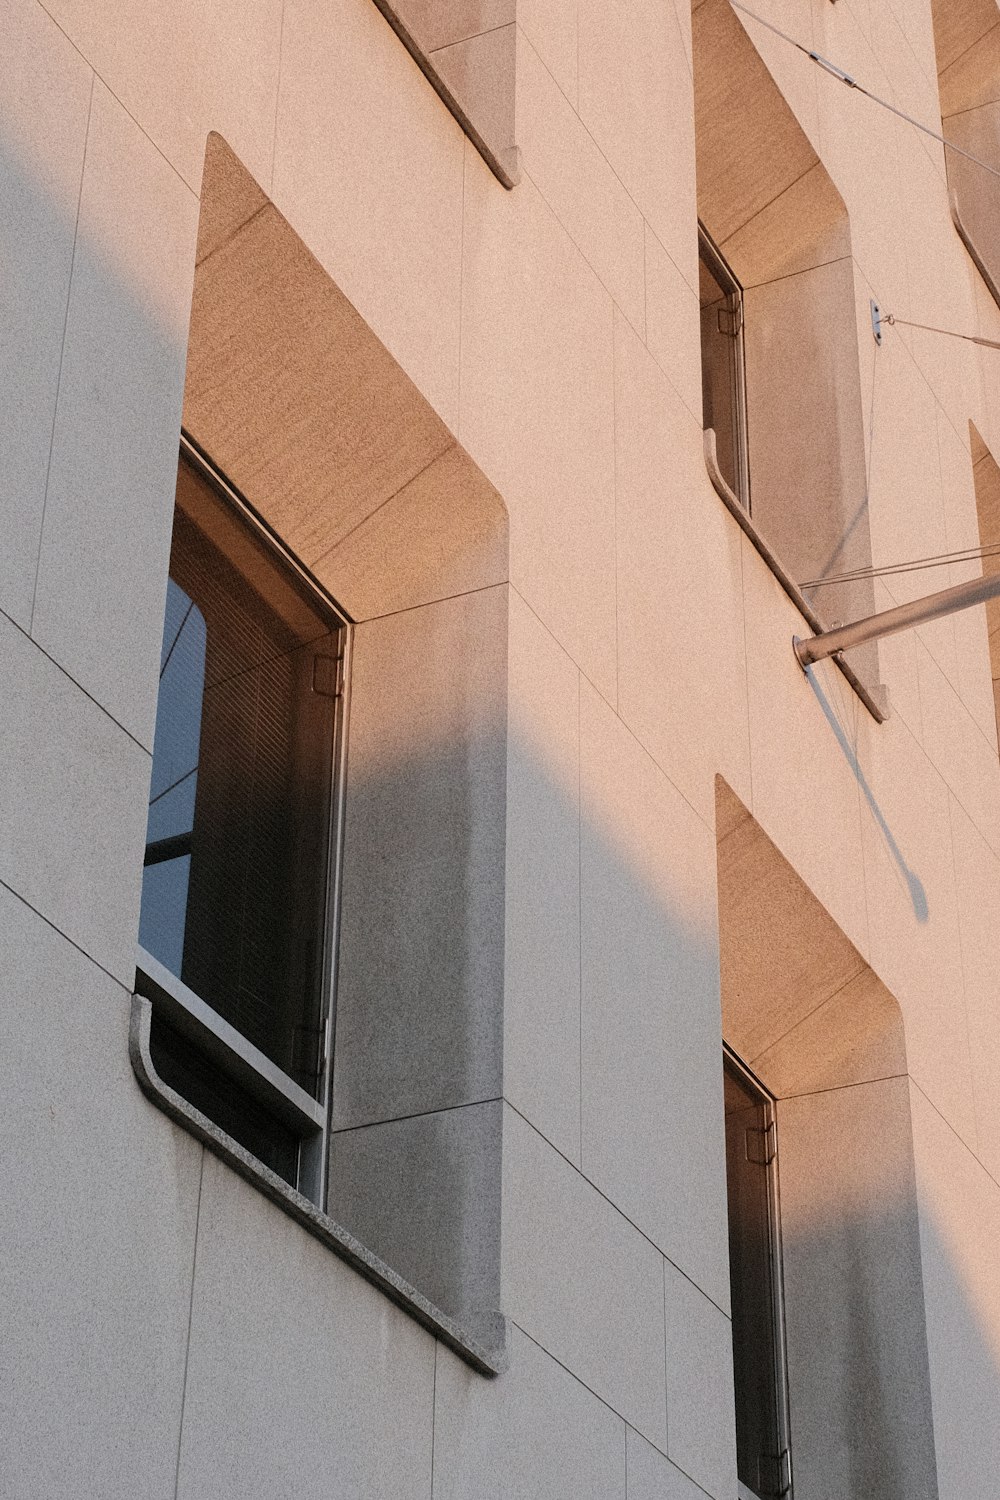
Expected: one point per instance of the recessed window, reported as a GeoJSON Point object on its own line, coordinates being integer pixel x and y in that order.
{"type": "Point", "coordinates": [778, 299]}
{"type": "Point", "coordinates": [763, 1459]}
{"type": "Point", "coordinates": [723, 380]}
{"type": "Point", "coordinates": [236, 916]}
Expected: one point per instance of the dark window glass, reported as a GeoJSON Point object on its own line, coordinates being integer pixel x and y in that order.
{"type": "Point", "coordinates": [722, 373]}
{"type": "Point", "coordinates": [238, 838]}
{"type": "Point", "coordinates": [181, 1064]}
{"type": "Point", "coordinates": [754, 1268]}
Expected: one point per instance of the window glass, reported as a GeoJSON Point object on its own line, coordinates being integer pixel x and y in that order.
{"type": "Point", "coordinates": [235, 879]}
{"type": "Point", "coordinates": [170, 822]}
{"type": "Point", "coordinates": [754, 1268]}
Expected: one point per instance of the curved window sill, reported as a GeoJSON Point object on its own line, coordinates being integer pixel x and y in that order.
{"type": "Point", "coordinates": [874, 701]}
{"type": "Point", "coordinates": [334, 1236]}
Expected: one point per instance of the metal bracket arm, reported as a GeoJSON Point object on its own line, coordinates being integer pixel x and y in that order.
{"type": "Point", "coordinates": [891, 621]}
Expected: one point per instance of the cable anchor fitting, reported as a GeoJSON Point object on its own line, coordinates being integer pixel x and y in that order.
{"type": "Point", "coordinates": [830, 67]}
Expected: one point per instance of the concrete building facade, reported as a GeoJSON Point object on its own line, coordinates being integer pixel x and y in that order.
{"type": "Point", "coordinates": [424, 292]}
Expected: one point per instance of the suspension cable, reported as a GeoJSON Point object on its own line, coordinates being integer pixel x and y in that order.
{"type": "Point", "coordinates": [941, 560]}
{"type": "Point", "coordinates": [852, 83]}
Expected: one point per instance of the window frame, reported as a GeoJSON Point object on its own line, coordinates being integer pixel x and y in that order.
{"type": "Point", "coordinates": [719, 268]}
{"type": "Point", "coordinates": [193, 1017]}
{"type": "Point", "coordinates": [779, 1372]}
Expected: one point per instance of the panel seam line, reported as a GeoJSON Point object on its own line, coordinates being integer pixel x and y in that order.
{"type": "Point", "coordinates": [62, 357]}
{"type": "Point", "coordinates": [187, 1342]}
{"type": "Point", "coordinates": [617, 1209]}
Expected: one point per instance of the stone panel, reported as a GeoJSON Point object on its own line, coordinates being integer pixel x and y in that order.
{"type": "Point", "coordinates": [672, 325]}
{"type": "Point", "coordinates": [542, 962]}
{"type": "Point", "coordinates": [103, 569]}
{"type": "Point", "coordinates": [635, 97]}
{"type": "Point", "coordinates": [443, 533]}
{"type": "Point", "coordinates": [441, 23]}
{"type": "Point", "coordinates": [574, 178]}
{"type": "Point", "coordinates": [73, 791]}
{"type": "Point", "coordinates": [782, 956]}
{"type": "Point", "coordinates": [582, 1281]}
{"type": "Point", "coordinates": [807, 780]}
{"type": "Point", "coordinates": [955, 744]}
{"type": "Point", "coordinates": [283, 380]}
{"type": "Point", "coordinates": [368, 168]}
{"type": "Point", "coordinates": [551, 28]}
{"type": "Point", "coordinates": [301, 1379]}
{"type": "Point", "coordinates": [650, 1476]}
{"type": "Point", "coordinates": [959, 1207]}
{"type": "Point", "coordinates": [41, 163]}
{"type": "Point", "coordinates": [913, 908]}
{"type": "Point", "coordinates": [977, 885]}
{"type": "Point", "coordinates": [420, 991]}
{"type": "Point", "coordinates": [535, 1432]}
{"type": "Point", "coordinates": [97, 1226]}
{"type": "Point", "coordinates": [480, 71]}
{"type": "Point", "coordinates": [222, 61]}
{"type": "Point", "coordinates": [653, 1137]}
{"type": "Point", "coordinates": [681, 649]}
{"type": "Point", "coordinates": [701, 1409]}
{"type": "Point", "coordinates": [424, 1195]}
{"type": "Point", "coordinates": [537, 361]}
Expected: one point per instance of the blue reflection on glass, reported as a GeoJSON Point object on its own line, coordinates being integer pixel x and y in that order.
{"type": "Point", "coordinates": [174, 780]}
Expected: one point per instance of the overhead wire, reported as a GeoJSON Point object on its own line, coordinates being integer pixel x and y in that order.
{"type": "Point", "coordinates": [844, 77]}
{"type": "Point", "coordinates": [918, 565]}
{"type": "Point", "coordinates": [971, 554]}
{"type": "Point", "coordinates": [939, 560]}
{"type": "Point", "coordinates": [949, 333]}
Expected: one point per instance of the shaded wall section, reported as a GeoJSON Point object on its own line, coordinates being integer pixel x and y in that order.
{"type": "Point", "coordinates": [825, 1036]}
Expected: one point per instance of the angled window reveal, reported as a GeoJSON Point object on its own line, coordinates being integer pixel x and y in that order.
{"type": "Point", "coordinates": [825, 1041]}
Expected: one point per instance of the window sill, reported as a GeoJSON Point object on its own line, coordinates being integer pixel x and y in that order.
{"type": "Point", "coordinates": [504, 163]}
{"type": "Point", "coordinates": [874, 701]}
{"type": "Point", "coordinates": [486, 1361]}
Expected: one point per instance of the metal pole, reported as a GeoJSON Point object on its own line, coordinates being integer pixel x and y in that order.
{"type": "Point", "coordinates": [890, 621]}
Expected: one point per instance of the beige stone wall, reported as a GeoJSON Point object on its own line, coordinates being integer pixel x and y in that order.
{"type": "Point", "coordinates": [163, 1347]}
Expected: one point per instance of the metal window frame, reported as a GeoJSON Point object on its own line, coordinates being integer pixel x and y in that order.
{"type": "Point", "coordinates": [719, 267]}
{"type": "Point", "coordinates": [193, 1017]}
{"type": "Point", "coordinates": [225, 1047]}
{"type": "Point", "coordinates": [780, 1373]}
